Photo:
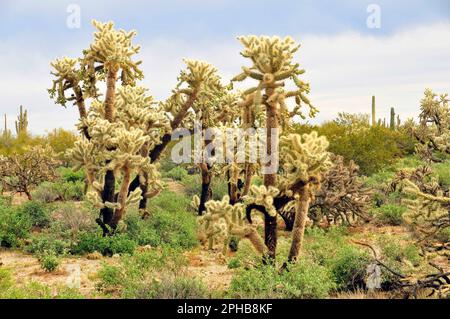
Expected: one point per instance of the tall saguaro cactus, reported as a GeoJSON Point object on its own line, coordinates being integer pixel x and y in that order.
{"type": "Point", "coordinates": [392, 119]}
{"type": "Point", "coordinates": [374, 121]}
{"type": "Point", "coordinates": [22, 122]}
{"type": "Point", "coordinates": [272, 66]}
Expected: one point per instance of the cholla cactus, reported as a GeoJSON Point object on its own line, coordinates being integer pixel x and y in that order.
{"type": "Point", "coordinates": [342, 197]}
{"type": "Point", "coordinates": [262, 196]}
{"type": "Point", "coordinates": [433, 131]}
{"type": "Point", "coordinates": [121, 147]}
{"type": "Point", "coordinates": [223, 220]}
{"type": "Point", "coordinates": [306, 160]}
{"type": "Point", "coordinates": [126, 132]}
{"type": "Point", "coordinates": [21, 172]}
{"type": "Point", "coordinates": [272, 66]}
{"type": "Point", "coordinates": [428, 210]}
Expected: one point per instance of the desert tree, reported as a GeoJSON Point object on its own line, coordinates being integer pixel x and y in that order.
{"type": "Point", "coordinates": [21, 172]}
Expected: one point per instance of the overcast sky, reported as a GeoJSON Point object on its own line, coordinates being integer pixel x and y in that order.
{"type": "Point", "coordinates": [346, 61]}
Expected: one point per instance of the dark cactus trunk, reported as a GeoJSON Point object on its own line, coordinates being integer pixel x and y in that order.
{"type": "Point", "coordinates": [270, 222]}
{"type": "Point", "coordinates": [206, 193]}
{"type": "Point", "coordinates": [108, 195]}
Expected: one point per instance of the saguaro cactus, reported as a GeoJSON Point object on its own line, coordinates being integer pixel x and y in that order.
{"type": "Point", "coordinates": [374, 121]}
{"type": "Point", "coordinates": [6, 132]}
{"type": "Point", "coordinates": [392, 119]}
{"type": "Point", "coordinates": [22, 122]}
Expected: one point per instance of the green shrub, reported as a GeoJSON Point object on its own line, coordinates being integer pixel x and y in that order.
{"type": "Point", "coordinates": [36, 212]}
{"type": "Point", "coordinates": [443, 172]}
{"type": "Point", "coordinates": [32, 290]}
{"type": "Point", "coordinates": [390, 214]}
{"type": "Point", "coordinates": [349, 268]}
{"type": "Point", "coordinates": [110, 277]}
{"type": "Point", "coordinates": [396, 252]}
{"type": "Point", "coordinates": [45, 193]}
{"type": "Point", "coordinates": [14, 227]}
{"type": "Point", "coordinates": [148, 274]}
{"type": "Point", "coordinates": [69, 175]}
{"type": "Point", "coordinates": [169, 287]}
{"type": "Point", "coordinates": [177, 173]}
{"type": "Point", "coordinates": [219, 188]}
{"type": "Point", "coordinates": [169, 223]}
{"type": "Point", "coordinates": [49, 261]}
{"type": "Point", "coordinates": [192, 184]}
{"type": "Point", "coordinates": [47, 242]}
{"type": "Point", "coordinates": [372, 148]}
{"type": "Point", "coordinates": [163, 228]}
{"type": "Point", "coordinates": [70, 219]}
{"type": "Point", "coordinates": [49, 192]}
{"type": "Point", "coordinates": [305, 280]}
{"type": "Point", "coordinates": [107, 246]}
{"type": "Point", "coordinates": [444, 235]}
{"type": "Point", "coordinates": [234, 263]}
{"type": "Point", "coordinates": [69, 190]}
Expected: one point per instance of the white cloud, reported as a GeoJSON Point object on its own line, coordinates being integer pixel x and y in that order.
{"type": "Point", "coordinates": [344, 71]}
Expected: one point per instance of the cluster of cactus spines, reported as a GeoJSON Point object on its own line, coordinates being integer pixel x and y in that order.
{"type": "Point", "coordinates": [22, 122]}
{"type": "Point", "coordinates": [433, 130]}
{"type": "Point", "coordinates": [272, 66]}
{"type": "Point", "coordinates": [222, 220]}
{"type": "Point", "coordinates": [342, 197]}
{"type": "Point", "coordinates": [20, 172]}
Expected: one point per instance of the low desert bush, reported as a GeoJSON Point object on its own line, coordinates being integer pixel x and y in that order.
{"type": "Point", "coordinates": [41, 243]}
{"type": "Point", "coordinates": [89, 242]}
{"type": "Point", "coordinates": [36, 212]}
{"type": "Point", "coordinates": [49, 192]}
{"type": "Point", "coordinates": [177, 173]}
{"type": "Point", "coordinates": [14, 226]}
{"type": "Point", "coordinates": [390, 214]}
{"type": "Point", "coordinates": [305, 280]}
{"type": "Point", "coordinates": [32, 290]}
{"type": "Point", "coordinates": [49, 260]}
{"type": "Point", "coordinates": [153, 273]}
